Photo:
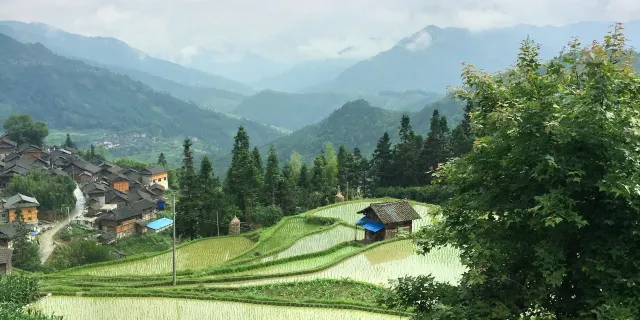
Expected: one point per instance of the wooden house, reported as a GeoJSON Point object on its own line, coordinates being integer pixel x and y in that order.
{"type": "Point", "coordinates": [27, 205]}
{"type": "Point", "coordinates": [118, 181]}
{"type": "Point", "coordinates": [156, 174]}
{"type": "Point", "coordinates": [146, 207]}
{"type": "Point", "coordinates": [6, 175]}
{"type": "Point", "coordinates": [5, 261]}
{"type": "Point", "coordinates": [7, 146]}
{"type": "Point", "coordinates": [30, 151]}
{"type": "Point", "coordinates": [121, 221]}
{"type": "Point", "coordinates": [78, 166]}
{"type": "Point", "coordinates": [8, 234]}
{"type": "Point", "coordinates": [384, 220]}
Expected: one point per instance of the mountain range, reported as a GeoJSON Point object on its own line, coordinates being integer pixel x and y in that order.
{"type": "Point", "coordinates": [71, 95]}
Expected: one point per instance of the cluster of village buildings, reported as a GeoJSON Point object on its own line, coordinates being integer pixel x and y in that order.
{"type": "Point", "coordinates": [118, 201]}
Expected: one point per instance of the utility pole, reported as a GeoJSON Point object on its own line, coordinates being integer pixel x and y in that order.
{"type": "Point", "coordinates": [218, 222]}
{"type": "Point", "coordinates": [174, 239]}
{"type": "Point", "coordinates": [347, 191]}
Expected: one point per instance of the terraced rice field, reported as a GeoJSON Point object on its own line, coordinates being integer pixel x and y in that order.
{"type": "Point", "coordinates": [281, 237]}
{"type": "Point", "coordinates": [87, 308]}
{"type": "Point", "coordinates": [319, 242]}
{"type": "Point", "coordinates": [206, 253]}
{"type": "Point", "coordinates": [381, 264]}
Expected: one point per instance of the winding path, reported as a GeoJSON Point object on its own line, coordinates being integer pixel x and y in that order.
{"type": "Point", "coordinates": [46, 238]}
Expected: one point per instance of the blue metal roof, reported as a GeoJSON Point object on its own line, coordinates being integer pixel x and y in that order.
{"type": "Point", "coordinates": [370, 225]}
{"type": "Point", "coordinates": [160, 223]}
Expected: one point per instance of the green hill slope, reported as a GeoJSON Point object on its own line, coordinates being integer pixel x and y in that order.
{"type": "Point", "coordinates": [71, 95]}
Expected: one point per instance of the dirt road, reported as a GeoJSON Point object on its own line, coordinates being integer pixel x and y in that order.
{"type": "Point", "coordinates": [46, 238]}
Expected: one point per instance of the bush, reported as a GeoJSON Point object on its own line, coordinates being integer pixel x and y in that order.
{"type": "Point", "coordinates": [319, 220]}
{"type": "Point", "coordinates": [268, 216]}
{"type": "Point", "coordinates": [18, 290]}
{"type": "Point", "coordinates": [80, 252]}
{"type": "Point", "coordinates": [428, 194]}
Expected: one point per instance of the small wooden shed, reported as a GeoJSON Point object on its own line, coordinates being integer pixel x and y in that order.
{"type": "Point", "coordinates": [383, 220]}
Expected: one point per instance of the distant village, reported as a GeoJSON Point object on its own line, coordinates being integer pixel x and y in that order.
{"type": "Point", "coordinates": [119, 202]}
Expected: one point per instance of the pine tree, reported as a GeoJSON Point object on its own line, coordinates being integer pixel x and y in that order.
{"type": "Point", "coordinates": [295, 160]}
{"type": "Point", "coordinates": [187, 207]}
{"type": "Point", "coordinates": [436, 148]}
{"type": "Point", "coordinates": [406, 155]}
{"type": "Point", "coordinates": [461, 136]}
{"type": "Point", "coordinates": [381, 162]}
{"type": "Point", "coordinates": [344, 165]}
{"type": "Point", "coordinates": [211, 199]}
{"type": "Point", "coordinates": [257, 161]}
{"type": "Point", "coordinates": [243, 178]}
{"type": "Point", "coordinates": [92, 153]}
{"type": "Point", "coordinates": [68, 143]}
{"type": "Point", "coordinates": [286, 190]}
{"type": "Point", "coordinates": [304, 189]}
{"type": "Point", "coordinates": [272, 177]}
{"type": "Point", "coordinates": [162, 160]}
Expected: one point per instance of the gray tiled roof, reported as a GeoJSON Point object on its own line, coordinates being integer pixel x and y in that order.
{"type": "Point", "coordinates": [392, 212]}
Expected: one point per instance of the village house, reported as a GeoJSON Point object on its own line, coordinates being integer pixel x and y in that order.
{"type": "Point", "coordinates": [121, 221]}
{"type": "Point", "coordinates": [6, 175]}
{"type": "Point", "coordinates": [27, 206]}
{"type": "Point", "coordinates": [31, 151]}
{"type": "Point", "coordinates": [7, 235]}
{"type": "Point", "coordinates": [113, 196]}
{"type": "Point", "coordinates": [118, 182]}
{"type": "Point", "coordinates": [7, 146]}
{"type": "Point", "coordinates": [156, 174]}
{"type": "Point", "coordinates": [385, 220]}
{"type": "Point", "coordinates": [107, 237]}
{"type": "Point", "coordinates": [157, 190]}
{"type": "Point", "coordinates": [78, 166]}
{"type": "Point", "coordinates": [95, 190]}
{"type": "Point", "coordinates": [146, 207]}
{"type": "Point", "coordinates": [5, 261]}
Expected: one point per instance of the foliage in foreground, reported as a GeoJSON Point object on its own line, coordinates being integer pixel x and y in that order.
{"type": "Point", "coordinates": [15, 293]}
{"type": "Point", "coordinates": [545, 207]}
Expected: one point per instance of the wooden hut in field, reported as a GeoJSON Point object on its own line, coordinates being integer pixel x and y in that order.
{"type": "Point", "coordinates": [383, 220]}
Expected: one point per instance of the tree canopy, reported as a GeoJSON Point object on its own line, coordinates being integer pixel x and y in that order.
{"type": "Point", "coordinates": [545, 206]}
{"type": "Point", "coordinates": [22, 129]}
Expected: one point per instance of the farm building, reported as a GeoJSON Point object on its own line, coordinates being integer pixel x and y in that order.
{"type": "Point", "coordinates": [383, 220]}
{"type": "Point", "coordinates": [5, 261]}
{"type": "Point", "coordinates": [159, 225]}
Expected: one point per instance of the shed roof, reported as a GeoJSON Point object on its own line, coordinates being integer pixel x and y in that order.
{"type": "Point", "coordinates": [392, 212]}
{"type": "Point", "coordinates": [107, 236]}
{"type": "Point", "coordinates": [120, 213]}
{"type": "Point", "coordinates": [159, 224]}
{"type": "Point", "coordinates": [370, 225]}
{"type": "Point", "coordinates": [5, 255]}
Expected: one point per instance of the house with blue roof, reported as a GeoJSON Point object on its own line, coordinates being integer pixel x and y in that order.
{"type": "Point", "coordinates": [385, 220]}
{"type": "Point", "coordinates": [159, 225]}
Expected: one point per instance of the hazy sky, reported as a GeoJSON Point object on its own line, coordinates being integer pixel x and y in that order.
{"type": "Point", "coordinates": [294, 29]}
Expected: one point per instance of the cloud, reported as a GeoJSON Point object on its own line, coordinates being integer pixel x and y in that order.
{"type": "Point", "coordinates": [289, 30]}
{"type": "Point", "coordinates": [419, 41]}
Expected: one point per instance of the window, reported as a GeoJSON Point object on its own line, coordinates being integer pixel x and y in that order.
{"type": "Point", "coordinates": [165, 178]}
{"type": "Point", "coordinates": [4, 215]}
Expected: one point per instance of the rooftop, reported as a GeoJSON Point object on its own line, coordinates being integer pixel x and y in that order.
{"type": "Point", "coordinates": [392, 212]}
{"type": "Point", "coordinates": [159, 224]}
{"type": "Point", "coordinates": [20, 201]}
{"type": "Point", "coordinates": [120, 213]}
{"type": "Point", "coordinates": [157, 169]}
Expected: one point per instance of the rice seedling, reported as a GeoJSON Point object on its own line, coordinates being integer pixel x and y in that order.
{"type": "Point", "coordinates": [89, 308]}
{"type": "Point", "coordinates": [319, 241]}
{"type": "Point", "coordinates": [381, 264]}
{"type": "Point", "coordinates": [205, 253]}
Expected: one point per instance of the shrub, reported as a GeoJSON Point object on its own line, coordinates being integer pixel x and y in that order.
{"type": "Point", "coordinates": [320, 220]}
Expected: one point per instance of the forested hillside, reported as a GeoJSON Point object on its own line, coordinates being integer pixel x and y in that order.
{"type": "Point", "coordinates": [69, 94]}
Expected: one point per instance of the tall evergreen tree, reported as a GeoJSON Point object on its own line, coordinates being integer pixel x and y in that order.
{"type": "Point", "coordinates": [257, 161]}
{"type": "Point", "coordinates": [272, 177]}
{"type": "Point", "coordinates": [461, 137]}
{"type": "Point", "coordinates": [162, 160]}
{"type": "Point", "coordinates": [359, 172]}
{"type": "Point", "coordinates": [304, 187]}
{"type": "Point", "coordinates": [406, 155]}
{"type": "Point", "coordinates": [68, 143]}
{"type": "Point", "coordinates": [92, 153]}
{"type": "Point", "coordinates": [295, 160]}
{"type": "Point", "coordinates": [381, 162]}
{"type": "Point", "coordinates": [344, 166]}
{"type": "Point", "coordinates": [286, 190]}
{"type": "Point", "coordinates": [436, 148]}
{"type": "Point", "coordinates": [211, 199]}
{"type": "Point", "coordinates": [243, 179]}
{"type": "Point", "coordinates": [187, 207]}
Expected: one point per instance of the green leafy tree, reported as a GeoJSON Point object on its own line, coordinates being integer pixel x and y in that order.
{"type": "Point", "coordinates": [287, 193]}
{"type": "Point", "coordinates": [243, 180]}
{"type": "Point", "coordinates": [52, 191]}
{"type": "Point", "coordinates": [406, 155]}
{"type": "Point", "coordinates": [16, 292]}
{"type": "Point", "coordinates": [268, 216]}
{"type": "Point", "coordinates": [22, 129]}
{"type": "Point", "coordinates": [344, 164]}
{"type": "Point", "coordinates": [187, 207]}
{"type": "Point", "coordinates": [461, 137]}
{"type": "Point", "coordinates": [330, 168]}
{"type": "Point", "coordinates": [295, 160]}
{"type": "Point", "coordinates": [272, 177]}
{"type": "Point", "coordinates": [213, 203]}
{"type": "Point", "coordinates": [545, 206]}
{"type": "Point", "coordinates": [26, 254]}
{"type": "Point", "coordinates": [79, 252]}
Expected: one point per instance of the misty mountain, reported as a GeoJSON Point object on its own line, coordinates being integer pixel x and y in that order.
{"type": "Point", "coordinates": [431, 58]}
{"type": "Point", "coordinates": [209, 98]}
{"type": "Point", "coordinates": [305, 75]}
{"type": "Point", "coordinates": [249, 68]}
{"type": "Point", "coordinates": [71, 95]}
{"type": "Point", "coordinates": [297, 110]}
{"type": "Point", "coordinates": [113, 52]}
